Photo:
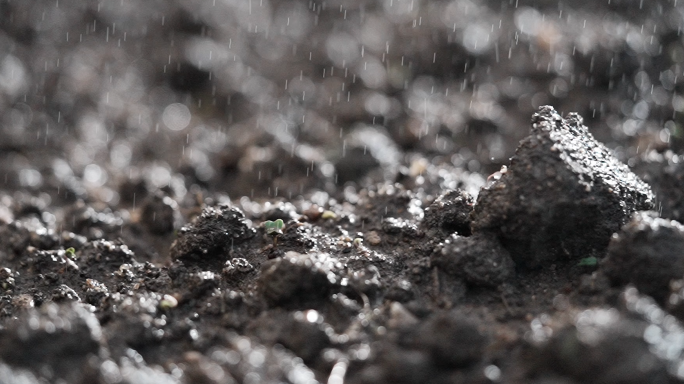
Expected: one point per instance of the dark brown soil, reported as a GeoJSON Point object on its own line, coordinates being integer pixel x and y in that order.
{"type": "Point", "coordinates": [447, 219]}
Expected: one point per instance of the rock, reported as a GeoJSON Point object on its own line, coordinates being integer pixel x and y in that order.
{"type": "Point", "coordinates": [479, 259]}
{"type": "Point", "coordinates": [297, 279]}
{"type": "Point", "coordinates": [563, 195]}
{"type": "Point", "coordinates": [649, 253]}
{"type": "Point", "coordinates": [450, 212]}
{"type": "Point", "coordinates": [213, 233]}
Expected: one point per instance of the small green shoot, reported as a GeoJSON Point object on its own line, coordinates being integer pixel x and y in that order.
{"type": "Point", "coordinates": [70, 253]}
{"type": "Point", "coordinates": [274, 229]}
{"type": "Point", "coordinates": [358, 242]}
{"type": "Point", "coordinates": [588, 262]}
{"type": "Point", "coordinates": [167, 302]}
{"type": "Point", "coordinates": [328, 215]}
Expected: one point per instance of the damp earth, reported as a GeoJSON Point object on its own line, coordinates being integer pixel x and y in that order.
{"type": "Point", "coordinates": [341, 191]}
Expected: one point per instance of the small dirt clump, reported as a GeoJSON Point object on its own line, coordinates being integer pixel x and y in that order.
{"type": "Point", "coordinates": [647, 253]}
{"type": "Point", "coordinates": [213, 233]}
{"type": "Point", "coordinates": [450, 212]}
{"type": "Point", "coordinates": [563, 195]}
{"type": "Point", "coordinates": [479, 259]}
{"type": "Point", "coordinates": [298, 280]}
{"type": "Point", "coordinates": [600, 345]}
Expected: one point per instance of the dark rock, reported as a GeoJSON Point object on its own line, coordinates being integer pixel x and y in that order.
{"type": "Point", "coordinates": [648, 252]}
{"type": "Point", "coordinates": [160, 214]}
{"type": "Point", "coordinates": [479, 259]}
{"type": "Point", "coordinates": [450, 212]}
{"type": "Point", "coordinates": [563, 195]}
{"type": "Point", "coordinates": [452, 340]}
{"type": "Point", "coordinates": [296, 279]}
{"type": "Point", "coordinates": [213, 233]}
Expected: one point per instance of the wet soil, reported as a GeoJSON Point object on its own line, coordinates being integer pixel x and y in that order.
{"type": "Point", "coordinates": [470, 192]}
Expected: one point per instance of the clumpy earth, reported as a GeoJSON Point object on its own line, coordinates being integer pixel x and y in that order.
{"type": "Point", "coordinates": [471, 192]}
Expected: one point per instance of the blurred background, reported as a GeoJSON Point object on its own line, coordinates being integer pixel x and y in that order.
{"type": "Point", "coordinates": [111, 101]}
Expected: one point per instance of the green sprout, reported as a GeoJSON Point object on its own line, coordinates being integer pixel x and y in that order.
{"type": "Point", "coordinates": [328, 215]}
{"type": "Point", "coordinates": [588, 262]}
{"type": "Point", "coordinates": [70, 253]}
{"type": "Point", "coordinates": [274, 229]}
{"type": "Point", "coordinates": [167, 302]}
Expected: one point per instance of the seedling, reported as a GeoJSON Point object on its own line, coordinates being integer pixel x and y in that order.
{"type": "Point", "coordinates": [167, 302]}
{"type": "Point", "coordinates": [588, 262]}
{"type": "Point", "coordinates": [274, 229]}
{"type": "Point", "coordinates": [328, 215]}
{"type": "Point", "coordinates": [70, 253]}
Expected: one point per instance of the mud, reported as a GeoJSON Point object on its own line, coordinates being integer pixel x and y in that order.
{"type": "Point", "coordinates": [432, 233]}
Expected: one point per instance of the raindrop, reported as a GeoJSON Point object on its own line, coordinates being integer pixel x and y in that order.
{"type": "Point", "coordinates": [176, 116]}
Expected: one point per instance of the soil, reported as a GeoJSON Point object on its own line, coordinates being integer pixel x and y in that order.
{"type": "Point", "coordinates": [470, 191]}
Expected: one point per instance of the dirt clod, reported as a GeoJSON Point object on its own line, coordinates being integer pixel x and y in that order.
{"type": "Point", "coordinates": [213, 233]}
{"type": "Point", "coordinates": [563, 195]}
{"type": "Point", "coordinates": [647, 252]}
{"type": "Point", "coordinates": [298, 280]}
{"type": "Point", "coordinates": [450, 212]}
{"type": "Point", "coordinates": [478, 259]}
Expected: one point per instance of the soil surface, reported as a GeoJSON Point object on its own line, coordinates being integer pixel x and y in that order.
{"type": "Point", "coordinates": [341, 191]}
